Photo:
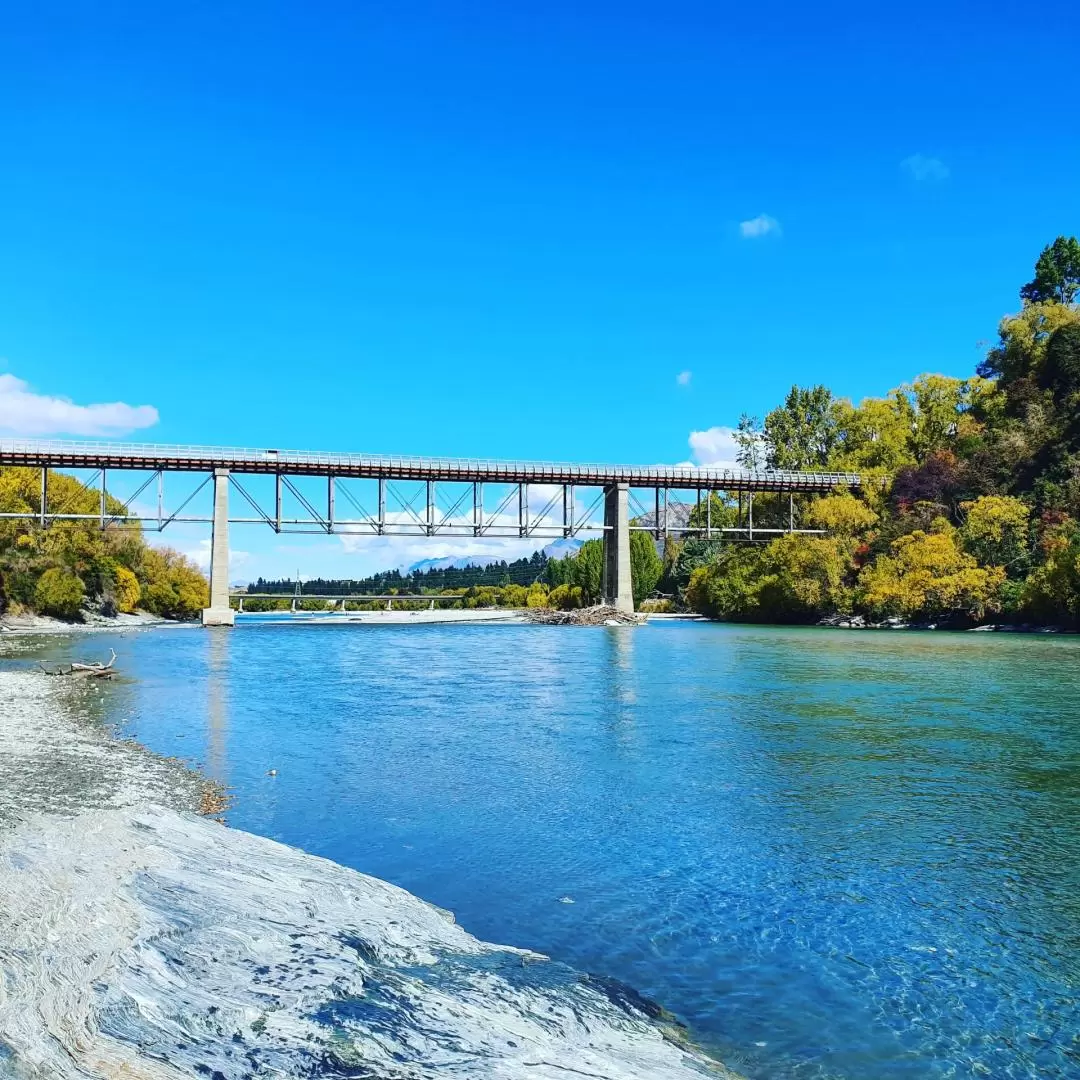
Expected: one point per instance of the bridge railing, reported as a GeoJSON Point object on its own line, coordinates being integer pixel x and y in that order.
{"type": "Point", "coordinates": [156, 456]}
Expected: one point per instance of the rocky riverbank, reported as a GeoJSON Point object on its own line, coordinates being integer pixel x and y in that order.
{"type": "Point", "coordinates": [138, 938]}
{"type": "Point", "coordinates": [860, 622]}
{"type": "Point", "coordinates": [29, 623]}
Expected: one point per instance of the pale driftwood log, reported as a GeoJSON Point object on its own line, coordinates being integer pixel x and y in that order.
{"type": "Point", "coordinates": [96, 666]}
{"type": "Point", "coordinates": [96, 670]}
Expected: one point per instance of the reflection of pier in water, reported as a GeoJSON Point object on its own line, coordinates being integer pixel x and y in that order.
{"type": "Point", "coordinates": [217, 707]}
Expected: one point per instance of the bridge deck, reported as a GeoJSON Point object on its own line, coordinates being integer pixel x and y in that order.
{"type": "Point", "coordinates": [147, 456]}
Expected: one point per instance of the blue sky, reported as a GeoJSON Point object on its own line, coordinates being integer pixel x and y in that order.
{"type": "Point", "coordinates": [508, 230]}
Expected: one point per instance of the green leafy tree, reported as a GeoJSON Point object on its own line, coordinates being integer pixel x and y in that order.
{"type": "Point", "coordinates": [876, 434]}
{"type": "Point", "coordinates": [805, 432]}
{"type": "Point", "coordinates": [516, 596]}
{"type": "Point", "coordinates": [804, 577]}
{"type": "Point", "coordinates": [59, 592]}
{"type": "Point", "coordinates": [537, 596]}
{"type": "Point", "coordinates": [750, 441]}
{"type": "Point", "coordinates": [1061, 371]}
{"type": "Point", "coordinates": [1057, 273]}
{"type": "Point", "coordinates": [1052, 591]}
{"type": "Point", "coordinates": [589, 570]}
{"type": "Point", "coordinates": [1020, 351]}
{"type": "Point", "coordinates": [713, 512]}
{"type": "Point", "coordinates": [690, 555]}
{"type": "Point", "coordinates": [172, 585]}
{"type": "Point", "coordinates": [646, 566]}
{"type": "Point", "coordinates": [793, 579]}
{"type": "Point", "coordinates": [565, 597]}
{"type": "Point", "coordinates": [727, 587]}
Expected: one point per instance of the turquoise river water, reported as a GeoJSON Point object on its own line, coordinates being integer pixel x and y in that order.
{"type": "Point", "coordinates": [830, 853]}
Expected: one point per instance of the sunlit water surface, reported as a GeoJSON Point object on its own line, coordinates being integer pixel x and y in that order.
{"type": "Point", "coordinates": [833, 854]}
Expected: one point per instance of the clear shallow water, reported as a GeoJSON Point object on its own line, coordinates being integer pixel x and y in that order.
{"type": "Point", "coordinates": [833, 854]}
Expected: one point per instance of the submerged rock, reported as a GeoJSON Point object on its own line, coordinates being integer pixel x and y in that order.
{"type": "Point", "coordinates": [154, 943]}
{"type": "Point", "coordinates": [141, 940]}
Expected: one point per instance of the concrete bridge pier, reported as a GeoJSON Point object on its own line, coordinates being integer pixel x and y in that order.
{"type": "Point", "coordinates": [220, 613]}
{"type": "Point", "coordinates": [616, 580]}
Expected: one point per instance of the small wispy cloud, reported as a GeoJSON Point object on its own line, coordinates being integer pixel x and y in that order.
{"type": "Point", "coordinates": [684, 377]}
{"type": "Point", "coordinates": [23, 412]}
{"type": "Point", "coordinates": [923, 169]}
{"type": "Point", "coordinates": [762, 225]}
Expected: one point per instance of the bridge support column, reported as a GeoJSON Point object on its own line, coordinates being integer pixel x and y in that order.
{"type": "Point", "coordinates": [616, 582]}
{"type": "Point", "coordinates": [219, 613]}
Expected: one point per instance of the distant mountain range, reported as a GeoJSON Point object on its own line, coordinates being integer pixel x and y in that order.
{"type": "Point", "coordinates": [678, 516]}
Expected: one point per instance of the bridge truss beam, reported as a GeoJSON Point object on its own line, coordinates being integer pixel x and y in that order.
{"type": "Point", "coordinates": [570, 511]}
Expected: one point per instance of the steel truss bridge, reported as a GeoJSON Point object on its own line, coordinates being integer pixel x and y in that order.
{"type": "Point", "coordinates": [456, 497]}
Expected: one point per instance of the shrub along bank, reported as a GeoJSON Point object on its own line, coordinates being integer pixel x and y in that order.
{"type": "Point", "coordinates": [75, 566]}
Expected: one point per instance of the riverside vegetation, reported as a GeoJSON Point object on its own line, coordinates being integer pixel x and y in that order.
{"type": "Point", "coordinates": [971, 506]}
{"type": "Point", "coordinates": [74, 567]}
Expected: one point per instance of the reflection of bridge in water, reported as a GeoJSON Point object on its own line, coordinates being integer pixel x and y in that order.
{"type": "Point", "coordinates": [457, 497]}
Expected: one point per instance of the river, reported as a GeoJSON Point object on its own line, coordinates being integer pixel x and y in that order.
{"type": "Point", "coordinates": [832, 854]}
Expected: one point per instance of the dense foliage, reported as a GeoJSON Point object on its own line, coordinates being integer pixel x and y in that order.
{"type": "Point", "coordinates": [75, 565]}
{"type": "Point", "coordinates": [972, 506]}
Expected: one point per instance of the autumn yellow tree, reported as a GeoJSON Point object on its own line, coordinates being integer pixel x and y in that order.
{"type": "Point", "coordinates": [995, 530]}
{"type": "Point", "coordinates": [927, 574]}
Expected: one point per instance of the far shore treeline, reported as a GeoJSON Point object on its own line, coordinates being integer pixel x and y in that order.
{"type": "Point", "coordinates": [970, 511]}
{"type": "Point", "coordinates": [536, 581]}
{"type": "Point", "coordinates": [427, 579]}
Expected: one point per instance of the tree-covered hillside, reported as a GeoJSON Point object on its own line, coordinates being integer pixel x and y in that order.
{"type": "Point", "coordinates": [972, 506]}
{"type": "Point", "coordinates": [73, 566]}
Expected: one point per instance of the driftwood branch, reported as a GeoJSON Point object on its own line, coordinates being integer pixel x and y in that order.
{"type": "Point", "coordinates": [94, 670]}
{"type": "Point", "coordinates": [96, 667]}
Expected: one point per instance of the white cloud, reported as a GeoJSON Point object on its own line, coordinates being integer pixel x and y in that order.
{"type": "Point", "coordinates": [762, 225]}
{"type": "Point", "coordinates": [684, 377]}
{"type": "Point", "coordinates": [714, 448]}
{"type": "Point", "coordinates": [22, 412]}
{"type": "Point", "coordinates": [925, 169]}
{"type": "Point", "coordinates": [199, 554]}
